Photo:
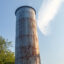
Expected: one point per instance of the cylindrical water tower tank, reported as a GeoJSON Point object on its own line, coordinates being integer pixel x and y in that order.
{"type": "Point", "coordinates": [26, 46]}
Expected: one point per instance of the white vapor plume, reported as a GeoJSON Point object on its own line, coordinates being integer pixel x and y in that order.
{"type": "Point", "coordinates": [46, 14]}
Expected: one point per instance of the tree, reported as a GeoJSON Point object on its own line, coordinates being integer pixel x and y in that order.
{"type": "Point", "coordinates": [6, 55]}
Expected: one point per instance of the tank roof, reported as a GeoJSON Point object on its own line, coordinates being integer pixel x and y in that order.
{"type": "Point", "coordinates": [24, 7]}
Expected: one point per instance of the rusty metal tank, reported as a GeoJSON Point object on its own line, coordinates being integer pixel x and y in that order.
{"type": "Point", "coordinates": [26, 45]}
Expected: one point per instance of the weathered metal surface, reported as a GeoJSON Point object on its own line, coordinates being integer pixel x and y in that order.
{"type": "Point", "coordinates": [26, 47]}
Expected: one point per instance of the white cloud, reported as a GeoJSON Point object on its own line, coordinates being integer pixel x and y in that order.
{"type": "Point", "coordinates": [46, 14]}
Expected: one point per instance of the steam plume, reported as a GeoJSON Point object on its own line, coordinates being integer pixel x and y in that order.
{"type": "Point", "coordinates": [46, 14]}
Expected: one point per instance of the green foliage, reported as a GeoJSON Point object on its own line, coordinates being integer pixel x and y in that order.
{"type": "Point", "coordinates": [6, 56]}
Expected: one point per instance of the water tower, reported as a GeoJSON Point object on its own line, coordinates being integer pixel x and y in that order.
{"type": "Point", "coordinates": [26, 45]}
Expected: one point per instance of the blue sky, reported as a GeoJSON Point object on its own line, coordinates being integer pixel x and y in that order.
{"type": "Point", "coordinates": [51, 45]}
